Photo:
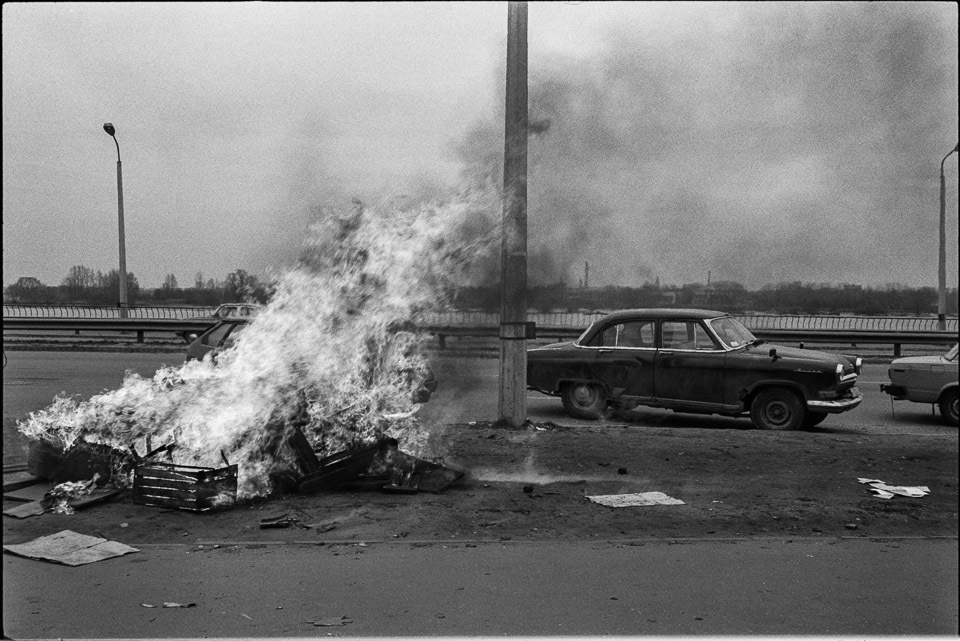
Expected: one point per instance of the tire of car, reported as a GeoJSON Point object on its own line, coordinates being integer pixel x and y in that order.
{"type": "Point", "coordinates": [948, 407]}
{"type": "Point", "coordinates": [583, 400]}
{"type": "Point", "coordinates": [814, 418]}
{"type": "Point", "coordinates": [778, 409]}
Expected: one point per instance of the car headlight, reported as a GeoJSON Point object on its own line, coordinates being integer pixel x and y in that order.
{"type": "Point", "coordinates": [858, 365]}
{"type": "Point", "coordinates": [839, 372]}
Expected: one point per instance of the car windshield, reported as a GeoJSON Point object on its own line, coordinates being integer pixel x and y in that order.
{"type": "Point", "coordinates": [952, 354]}
{"type": "Point", "coordinates": [732, 332]}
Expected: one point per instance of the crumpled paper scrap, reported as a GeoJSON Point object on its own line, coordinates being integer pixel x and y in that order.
{"type": "Point", "coordinates": [885, 491]}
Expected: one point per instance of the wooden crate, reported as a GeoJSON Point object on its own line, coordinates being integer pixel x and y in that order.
{"type": "Point", "coordinates": [186, 487]}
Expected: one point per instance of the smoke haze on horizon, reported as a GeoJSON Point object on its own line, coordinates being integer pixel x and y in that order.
{"type": "Point", "coordinates": [759, 142]}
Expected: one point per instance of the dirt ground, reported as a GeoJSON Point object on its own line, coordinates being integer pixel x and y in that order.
{"type": "Point", "coordinates": [532, 484]}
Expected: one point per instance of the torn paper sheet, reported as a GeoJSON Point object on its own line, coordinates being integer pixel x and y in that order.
{"type": "Point", "coordinates": [70, 548]}
{"type": "Point", "coordinates": [885, 491]}
{"type": "Point", "coordinates": [635, 500]}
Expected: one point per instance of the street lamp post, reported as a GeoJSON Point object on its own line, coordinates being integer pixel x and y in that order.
{"type": "Point", "coordinates": [108, 127]}
{"type": "Point", "coordinates": [942, 267]}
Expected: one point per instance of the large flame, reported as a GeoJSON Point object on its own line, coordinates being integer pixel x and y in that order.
{"type": "Point", "coordinates": [335, 353]}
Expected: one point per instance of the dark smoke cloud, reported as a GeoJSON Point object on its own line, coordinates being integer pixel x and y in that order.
{"type": "Point", "coordinates": [784, 142]}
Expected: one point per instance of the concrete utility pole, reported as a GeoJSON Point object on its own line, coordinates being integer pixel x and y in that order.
{"type": "Point", "coordinates": [942, 268]}
{"type": "Point", "coordinates": [513, 257]}
{"type": "Point", "coordinates": [112, 132]}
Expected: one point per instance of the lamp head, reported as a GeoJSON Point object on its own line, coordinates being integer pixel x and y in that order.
{"type": "Point", "coordinates": [108, 127]}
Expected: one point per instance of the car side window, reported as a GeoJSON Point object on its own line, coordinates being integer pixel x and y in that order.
{"type": "Point", "coordinates": [685, 335]}
{"type": "Point", "coordinates": [628, 334]}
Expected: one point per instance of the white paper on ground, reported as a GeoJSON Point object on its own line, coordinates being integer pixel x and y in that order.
{"type": "Point", "coordinates": [70, 548]}
{"type": "Point", "coordinates": [635, 500]}
{"type": "Point", "coordinates": [888, 491]}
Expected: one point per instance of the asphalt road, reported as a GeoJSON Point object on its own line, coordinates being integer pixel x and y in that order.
{"type": "Point", "coordinates": [838, 589]}
{"type": "Point", "coordinates": [467, 392]}
{"type": "Point", "coordinates": [838, 586]}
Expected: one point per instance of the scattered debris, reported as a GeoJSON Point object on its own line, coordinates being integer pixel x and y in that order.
{"type": "Point", "coordinates": [57, 499]}
{"type": "Point", "coordinates": [282, 521]}
{"type": "Point", "coordinates": [884, 491]}
{"type": "Point", "coordinates": [331, 621]}
{"type": "Point", "coordinates": [635, 500]}
{"type": "Point", "coordinates": [70, 548]}
{"type": "Point", "coordinates": [187, 487]}
{"type": "Point", "coordinates": [169, 604]}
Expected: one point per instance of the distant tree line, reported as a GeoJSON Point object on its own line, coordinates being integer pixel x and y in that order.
{"type": "Point", "coordinates": [83, 286]}
{"type": "Point", "coordinates": [781, 298]}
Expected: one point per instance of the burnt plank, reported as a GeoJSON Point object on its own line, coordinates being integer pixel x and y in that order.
{"type": "Point", "coordinates": [29, 493]}
{"type": "Point", "coordinates": [19, 479]}
{"type": "Point", "coordinates": [22, 511]}
{"type": "Point", "coordinates": [168, 473]}
{"type": "Point", "coordinates": [305, 455]}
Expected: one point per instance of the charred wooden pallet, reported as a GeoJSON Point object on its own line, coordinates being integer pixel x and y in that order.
{"type": "Point", "coordinates": [186, 487]}
{"type": "Point", "coordinates": [341, 468]}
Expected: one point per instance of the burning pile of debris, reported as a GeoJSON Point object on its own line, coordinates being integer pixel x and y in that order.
{"type": "Point", "coordinates": [317, 392]}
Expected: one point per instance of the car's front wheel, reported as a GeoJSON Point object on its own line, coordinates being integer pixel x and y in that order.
{"type": "Point", "coordinates": [778, 409]}
{"type": "Point", "coordinates": [948, 407]}
{"type": "Point", "coordinates": [814, 418]}
{"type": "Point", "coordinates": [583, 400]}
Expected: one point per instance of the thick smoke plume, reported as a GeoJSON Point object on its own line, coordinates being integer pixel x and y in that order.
{"type": "Point", "coordinates": [762, 142]}
{"type": "Point", "coordinates": [336, 350]}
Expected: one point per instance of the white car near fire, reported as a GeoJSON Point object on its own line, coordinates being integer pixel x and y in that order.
{"type": "Point", "coordinates": [926, 379]}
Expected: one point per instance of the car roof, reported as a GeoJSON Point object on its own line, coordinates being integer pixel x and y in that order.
{"type": "Point", "coordinates": [663, 313]}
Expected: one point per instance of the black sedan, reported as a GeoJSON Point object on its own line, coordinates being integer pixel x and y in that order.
{"type": "Point", "coordinates": [696, 361]}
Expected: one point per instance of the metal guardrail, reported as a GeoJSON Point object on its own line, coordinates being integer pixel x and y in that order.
{"type": "Point", "coordinates": [102, 311]}
{"type": "Point", "coordinates": [579, 319]}
{"type": "Point", "coordinates": [892, 330]}
{"type": "Point", "coordinates": [139, 326]}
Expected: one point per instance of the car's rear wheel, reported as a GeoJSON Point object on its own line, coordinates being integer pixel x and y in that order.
{"type": "Point", "coordinates": [583, 400]}
{"type": "Point", "coordinates": [814, 418]}
{"type": "Point", "coordinates": [948, 407]}
{"type": "Point", "coordinates": [777, 409]}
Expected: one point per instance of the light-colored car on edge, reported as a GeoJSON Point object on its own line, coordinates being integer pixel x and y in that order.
{"type": "Point", "coordinates": [926, 379]}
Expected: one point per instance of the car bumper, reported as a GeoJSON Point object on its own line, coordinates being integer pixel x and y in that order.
{"type": "Point", "coordinates": [897, 391]}
{"type": "Point", "coordinates": [836, 406]}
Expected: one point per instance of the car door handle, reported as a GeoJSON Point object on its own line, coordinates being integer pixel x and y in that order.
{"type": "Point", "coordinates": [663, 353]}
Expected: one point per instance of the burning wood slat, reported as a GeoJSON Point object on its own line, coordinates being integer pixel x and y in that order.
{"type": "Point", "coordinates": [186, 487]}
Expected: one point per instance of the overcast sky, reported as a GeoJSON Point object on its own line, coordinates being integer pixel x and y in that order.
{"type": "Point", "coordinates": [756, 142]}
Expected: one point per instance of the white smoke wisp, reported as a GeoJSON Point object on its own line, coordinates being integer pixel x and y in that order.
{"type": "Point", "coordinates": [336, 352]}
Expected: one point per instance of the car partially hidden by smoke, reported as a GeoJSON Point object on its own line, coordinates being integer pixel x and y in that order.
{"type": "Point", "coordinates": [926, 379]}
{"type": "Point", "coordinates": [695, 361]}
{"type": "Point", "coordinates": [225, 333]}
